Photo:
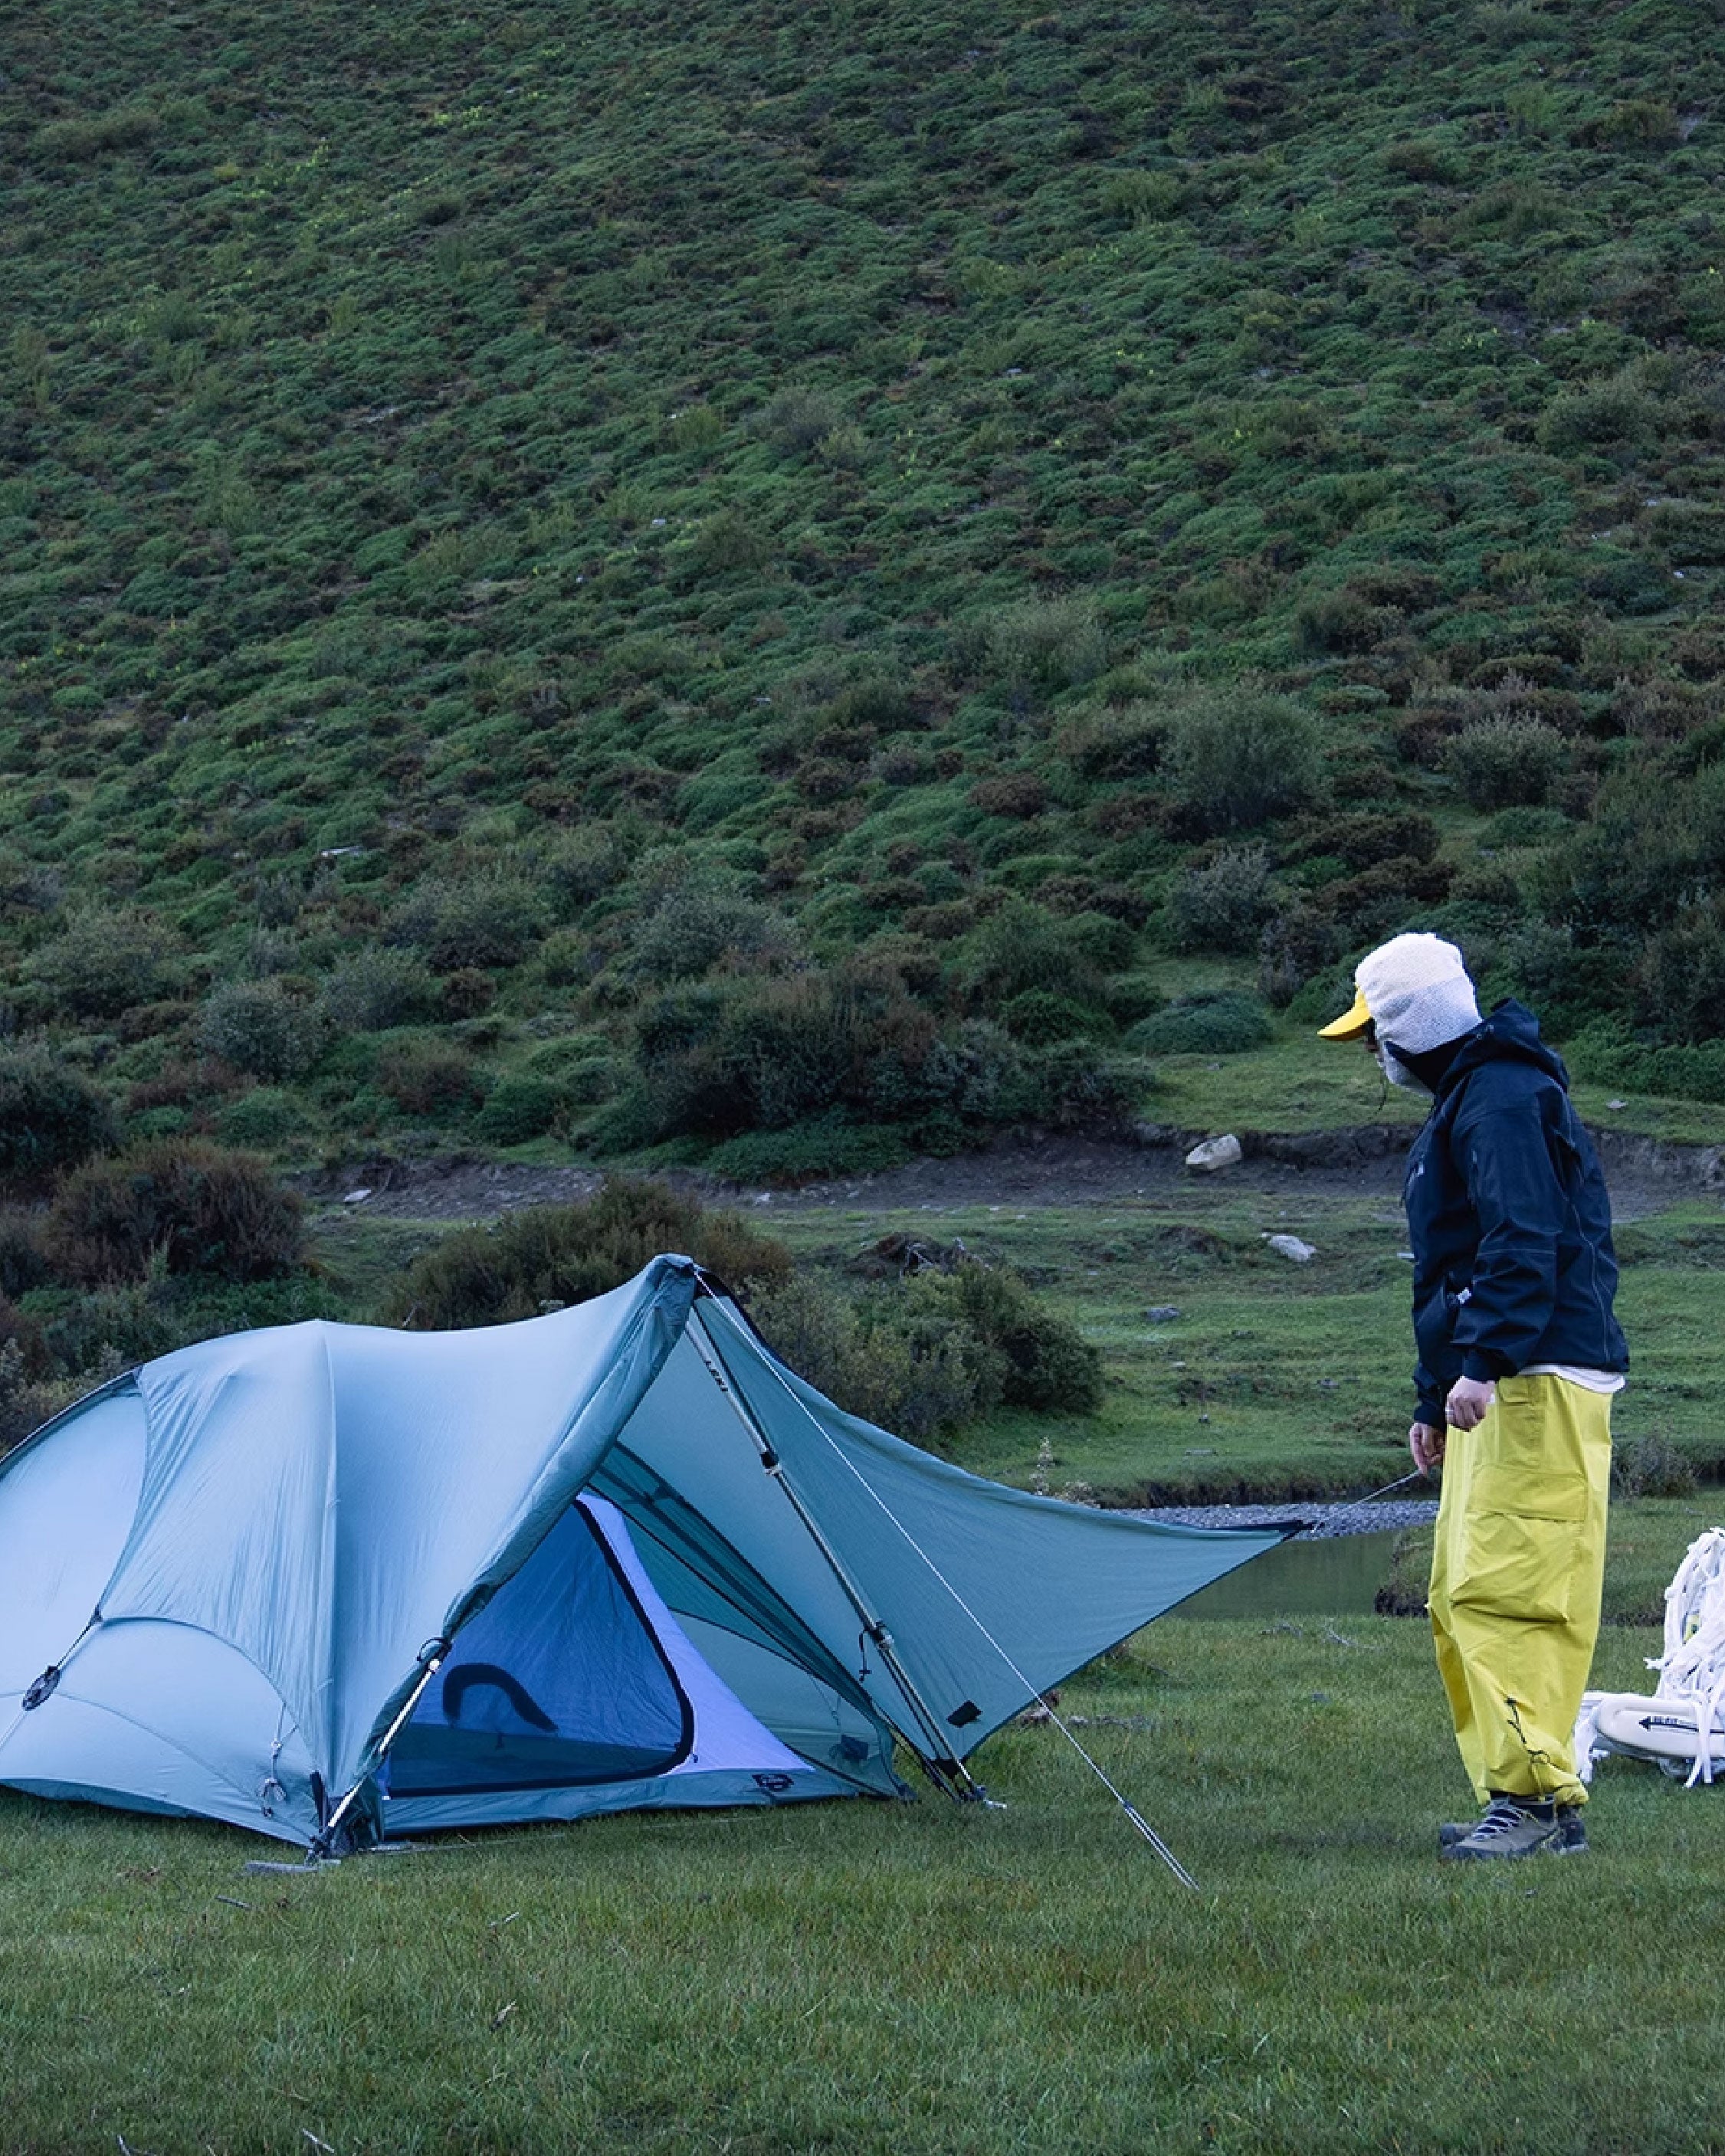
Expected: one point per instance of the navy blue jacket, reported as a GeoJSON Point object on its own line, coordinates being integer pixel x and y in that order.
{"type": "Point", "coordinates": [1509, 1220]}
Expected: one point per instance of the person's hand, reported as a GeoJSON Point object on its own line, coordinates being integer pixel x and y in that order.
{"type": "Point", "coordinates": [1469, 1402]}
{"type": "Point", "coordinates": [1425, 1441]}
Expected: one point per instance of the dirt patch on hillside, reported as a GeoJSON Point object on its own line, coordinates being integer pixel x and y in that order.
{"type": "Point", "coordinates": [1025, 1170]}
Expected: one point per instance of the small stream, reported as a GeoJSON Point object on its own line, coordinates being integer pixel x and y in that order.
{"type": "Point", "coordinates": [1338, 1575]}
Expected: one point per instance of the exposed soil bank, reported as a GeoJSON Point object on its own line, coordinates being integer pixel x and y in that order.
{"type": "Point", "coordinates": [1645, 1175]}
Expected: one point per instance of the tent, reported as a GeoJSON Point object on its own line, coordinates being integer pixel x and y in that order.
{"type": "Point", "coordinates": [332, 1581]}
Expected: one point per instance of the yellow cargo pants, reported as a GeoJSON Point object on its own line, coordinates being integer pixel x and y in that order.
{"type": "Point", "coordinates": [1515, 1582]}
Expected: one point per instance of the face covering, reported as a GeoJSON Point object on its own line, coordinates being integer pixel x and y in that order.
{"type": "Point", "coordinates": [1395, 1070]}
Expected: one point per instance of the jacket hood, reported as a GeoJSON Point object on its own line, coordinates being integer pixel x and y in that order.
{"type": "Point", "coordinates": [1509, 1031]}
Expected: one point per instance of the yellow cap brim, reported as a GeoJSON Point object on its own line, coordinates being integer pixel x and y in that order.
{"type": "Point", "coordinates": [1351, 1024]}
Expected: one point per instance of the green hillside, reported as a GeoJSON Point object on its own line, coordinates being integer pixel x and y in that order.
{"type": "Point", "coordinates": [781, 578]}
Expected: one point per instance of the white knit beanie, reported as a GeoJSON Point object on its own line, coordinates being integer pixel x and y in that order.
{"type": "Point", "coordinates": [1415, 990]}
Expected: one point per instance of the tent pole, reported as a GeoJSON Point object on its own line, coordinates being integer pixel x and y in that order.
{"type": "Point", "coordinates": [946, 1771]}
{"type": "Point", "coordinates": [326, 1833]}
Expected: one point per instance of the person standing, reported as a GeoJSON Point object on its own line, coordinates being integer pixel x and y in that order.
{"type": "Point", "coordinates": [1519, 1355]}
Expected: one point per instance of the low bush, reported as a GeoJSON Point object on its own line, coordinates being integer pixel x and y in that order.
{"type": "Point", "coordinates": [1651, 1466]}
{"type": "Point", "coordinates": [1224, 905]}
{"type": "Point", "coordinates": [582, 864]}
{"type": "Point", "coordinates": [1022, 947]}
{"type": "Point", "coordinates": [1047, 643]}
{"type": "Point", "coordinates": [797, 419]}
{"type": "Point", "coordinates": [258, 1027]}
{"type": "Point", "coordinates": [1298, 949]}
{"type": "Point", "coordinates": [935, 1348]}
{"type": "Point", "coordinates": [1111, 743]}
{"type": "Point", "coordinates": [552, 1256]}
{"type": "Point", "coordinates": [267, 1115]}
{"type": "Point", "coordinates": [1049, 1363]}
{"type": "Point", "coordinates": [697, 919]}
{"type": "Point", "coordinates": [476, 921]}
{"type": "Point", "coordinates": [23, 1264]}
{"type": "Point", "coordinates": [1225, 1023]}
{"type": "Point", "coordinates": [103, 961]}
{"type": "Point", "coordinates": [828, 1145]}
{"type": "Point", "coordinates": [427, 1076]}
{"type": "Point", "coordinates": [202, 1208]}
{"type": "Point", "coordinates": [906, 1370]}
{"type": "Point", "coordinates": [1508, 762]}
{"type": "Point", "coordinates": [1238, 754]}
{"type": "Point", "coordinates": [51, 1118]}
{"type": "Point", "coordinates": [468, 992]}
{"type": "Point", "coordinates": [519, 1109]}
{"type": "Point", "coordinates": [1038, 1017]}
{"type": "Point", "coordinates": [375, 988]}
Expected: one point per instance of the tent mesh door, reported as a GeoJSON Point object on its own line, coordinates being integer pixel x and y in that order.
{"type": "Point", "coordinates": [557, 1683]}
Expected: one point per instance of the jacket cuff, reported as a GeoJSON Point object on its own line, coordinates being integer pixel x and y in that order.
{"type": "Point", "coordinates": [1431, 1413]}
{"type": "Point", "coordinates": [1483, 1368]}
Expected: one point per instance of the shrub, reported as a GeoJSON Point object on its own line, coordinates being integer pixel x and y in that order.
{"type": "Point", "coordinates": [374, 989]}
{"type": "Point", "coordinates": [257, 1027]}
{"type": "Point", "coordinates": [1238, 754]}
{"type": "Point", "coordinates": [771, 1053]}
{"type": "Point", "coordinates": [1114, 744]}
{"type": "Point", "coordinates": [1049, 1363]}
{"type": "Point", "coordinates": [1679, 979]}
{"type": "Point", "coordinates": [1604, 415]}
{"type": "Point", "coordinates": [582, 864]}
{"type": "Point", "coordinates": [51, 1118]}
{"type": "Point", "coordinates": [934, 1349]}
{"type": "Point", "coordinates": [1018, 794]}
{"type": "Point", "coordinates": [1222, 907]}
{"type": "Point", "coordinates": [477, 921]}
{"type": "Point", "coordinates": [798, 419]}
{"type": "Point", "coordinates": [910, 1370]}
{"type": "Point", "coordinates": [1075, 1089]}
{"type": "Point", "coordinates": [205, 1210]}
{"type": "Point", "coordinates": [1501, 764]}
{"type": "Point", "coordinates": [728, 541]}
{"type": "Point", "coordinates": [552, 1255]}
{"type": "Point", "coordinates": [424, 1077]}
{"type": "Point", "coordinates": [467, 992]}
{"type": "Point", "coordinates": [76, 142]}
{"type": "Point", "coordinates": [1047, 643]}
{"type": "Point", "coordinates": [1041, 1018]}
{"type": "Point", "coordinates": [827, 1144]}
{"type": "Point", "coordinates": [1298, 948]}
{"type": "Point", "coordinates": [264, 1117]}
{"type": "Point", "coordinates": [105, 959]}
{"type": "Point", "coordinates": [1022, 945]}
{"type": "Point", "coordinates": [23, 1264]}
{"type": "Point", "coordinates": [518, 1109]}
{"type": "Point", "coordinates": [699, 919]}
{"type": "Point", "coordinates": [1222, 1023]}
{"type": "Point", "coordinates": [1651, 1466]}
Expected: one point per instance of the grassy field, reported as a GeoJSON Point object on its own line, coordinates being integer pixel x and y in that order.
{"type": "Point", "coordinates": [921, 1980]}
{"type": "Point", "coordinates": [1275, 1380]}
{"type": "Point", "coordinates": [924, 1978]}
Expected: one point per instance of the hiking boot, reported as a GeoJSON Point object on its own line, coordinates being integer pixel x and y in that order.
{"type": "Point", "coordinates": [1516, 1826]}
{"type": "Point", "coordinates": [1572, 1833]}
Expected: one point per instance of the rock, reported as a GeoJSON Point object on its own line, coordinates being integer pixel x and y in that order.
{"type": "Point", "coordinates": [1215, 1153]}
{"type": "Point", "coordinates": [1290, 1246]}
{"type": "Point", "coordinates": [358, 1197]}
{"type": "Point", "coordinates": [1162, 1313]}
